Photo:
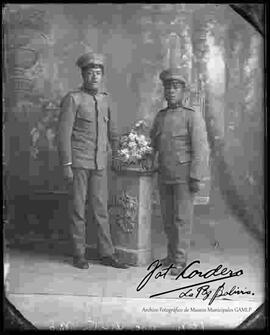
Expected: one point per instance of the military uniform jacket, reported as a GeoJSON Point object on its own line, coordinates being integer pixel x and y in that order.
{"type": "Point", "coordinates": [179, 137]}
{"type": "Point", "coordinates": [86, 127]}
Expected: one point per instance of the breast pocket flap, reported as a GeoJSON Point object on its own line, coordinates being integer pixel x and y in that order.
{"type": "Point", "coordinates": [85, 115]}
{"type": "Point", "coordinates": [180, 132]}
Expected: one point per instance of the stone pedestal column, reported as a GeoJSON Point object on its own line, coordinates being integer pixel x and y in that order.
{"type": "Point", "coordinates": [130, 213]}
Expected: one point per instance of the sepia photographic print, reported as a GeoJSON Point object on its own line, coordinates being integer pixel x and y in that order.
{"type": "Point", "coordinates": [133, 166]}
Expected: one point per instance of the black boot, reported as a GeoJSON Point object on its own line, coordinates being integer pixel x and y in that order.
{"type": "Point", "coordinates": [113, 261]}
{"type": "Point", "coordinates": [179, 268]}
{"type": "Point", "coordinates": [80, 262]}
{"type": "Point", "coordinates": [166, 262]}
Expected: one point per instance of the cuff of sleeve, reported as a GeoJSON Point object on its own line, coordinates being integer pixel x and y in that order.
{"type": "Point", "coordinates": [67, 164]}
{"type": "Point", "coordinates": [195, 179]}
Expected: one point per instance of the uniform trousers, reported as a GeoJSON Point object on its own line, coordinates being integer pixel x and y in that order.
{"type": "Point", "coordinates": [177, 207]}
{"type": "Point", "coordinates": [91, 183]}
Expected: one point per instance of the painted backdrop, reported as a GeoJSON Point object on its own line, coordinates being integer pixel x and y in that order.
{"type": "Point", "coordinates": [216, 48]}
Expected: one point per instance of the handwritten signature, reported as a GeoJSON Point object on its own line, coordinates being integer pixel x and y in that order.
{"type": "Point", "coordinates": [203, 288]}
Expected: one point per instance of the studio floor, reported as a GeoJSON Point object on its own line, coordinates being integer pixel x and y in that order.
{"type": "Point", "coordinates": [52, 294]}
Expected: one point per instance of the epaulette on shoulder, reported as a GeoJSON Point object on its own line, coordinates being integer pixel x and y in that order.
{"type": "Point", "coordinates": [190, 108]}
{"type": "Point", "coordinates": [161, 113]}
{"type": "Point", "coordinates": [73, 92]}
{"type": "Point", "coordinates": [70, 93]}
{"type": "Point", "coordinates": [76, 90]}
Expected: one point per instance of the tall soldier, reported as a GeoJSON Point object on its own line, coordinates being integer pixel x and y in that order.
{"type": "Point", "coordinates": [86, 124]}
{"type": "Point", "coordinates": [177, 136]}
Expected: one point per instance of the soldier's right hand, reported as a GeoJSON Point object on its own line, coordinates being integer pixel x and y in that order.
{"type": "Point", "coordinates": [194, 185]}
{"type": "Point", "coordinates": [68, 174]}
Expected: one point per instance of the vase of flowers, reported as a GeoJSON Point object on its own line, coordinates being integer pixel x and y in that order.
{"type": "Point", "coordinates": [135, 151]}
{"type": "Point", "coordinates": [131, 193]}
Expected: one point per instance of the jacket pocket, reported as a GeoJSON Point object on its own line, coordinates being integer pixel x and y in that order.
{"type": "Point", "coordinates": [180, 133]}
{"type": "Point", "coordinates": [84, 121]}
{"type": "Point", "coordinates": [183, 156]}
{"type": "Point", "coordinates": [181, 145]}
{"type": "Point", "coordinates": [85, 115]}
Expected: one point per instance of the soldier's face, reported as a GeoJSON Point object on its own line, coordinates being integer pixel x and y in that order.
{"type": "Point", "coordinates": [92, 77]}
{"type": "Point", "coordinates": [174, 92]}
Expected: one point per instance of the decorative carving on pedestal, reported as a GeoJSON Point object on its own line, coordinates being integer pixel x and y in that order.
{"type": "Point", "coordinates": [125, 210]}
{"type": "Point", "coordinates": [130, 214]}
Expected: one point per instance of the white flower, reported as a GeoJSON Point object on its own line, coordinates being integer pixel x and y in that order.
{"type": "Point", "coordinates": [143, 149]}
{"type": "Point", "coordinates": [124, 139]}
{"type": "Point", "coordinates": [132, 145]}
{"type": "Point", "coordinates": [124, 151]}
{"type": "Point", "coordinates": [132, 136]}
{"type": "Point", "coordinates": [142, 140]}
{"type": "Point", "coordinates": [133, 151]}
{"type": "Point", "coordinates": [139, 123]}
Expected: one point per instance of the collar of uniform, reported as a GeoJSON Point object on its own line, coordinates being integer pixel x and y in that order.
{"type": "Point", "coordinates": [177, 106]}
{"type": "Point", "coordinates": [94, 93]}
{"type": "Point", "coordinates": [88, 91]}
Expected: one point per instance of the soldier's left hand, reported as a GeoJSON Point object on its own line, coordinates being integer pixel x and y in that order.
{"type": "Point", "coordinates": [194, 185]}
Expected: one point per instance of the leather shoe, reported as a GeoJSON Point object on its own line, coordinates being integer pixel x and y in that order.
{"type": "Point", "coordinates": [166, 262]}
{"type": "Point", "coordinates": [80, 262]}
{"type": "Point", "coordinates": [114, 262]}
{"type": "Point", "coordinates": [176, 271]}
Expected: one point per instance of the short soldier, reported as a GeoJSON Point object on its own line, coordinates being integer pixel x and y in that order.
{"type": "Point", "coordinates": [86, 124]}
{"type": "Point", "coordinates": [177, 136]}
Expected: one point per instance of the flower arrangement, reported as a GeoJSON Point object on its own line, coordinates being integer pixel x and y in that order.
{"type": "Point", "coordinates": [135, 147]}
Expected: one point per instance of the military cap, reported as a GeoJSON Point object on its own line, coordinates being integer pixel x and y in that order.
{"type": "Point", "coordinates": [89, 59]}
{"type": "Point", "coordinates": [172, 74]}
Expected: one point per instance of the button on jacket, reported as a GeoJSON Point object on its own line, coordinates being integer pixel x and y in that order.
{"type": "Point", "coordinates": [179, 136]}
{"type": "Point", "coordinates": [86, 127]}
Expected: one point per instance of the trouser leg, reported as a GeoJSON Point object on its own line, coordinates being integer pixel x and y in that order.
{"type": "Point", "coordinates": [183, 221]}
{"type": "Point", "coordinates": [79, 191]}
{"type": "Point", "coordinates": [166, 206]}
{"type": "Point", "coordinates": [99, 198]}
